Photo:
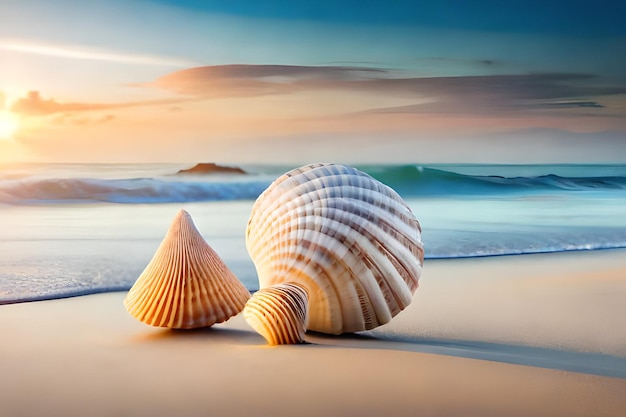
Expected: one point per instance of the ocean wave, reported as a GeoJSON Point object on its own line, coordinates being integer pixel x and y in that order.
{"type": "Point", "coordinates": [591, 246]}
{"type": "Point", "coordinates": [414, 180]}
{"type": "Point", "coordinates": [125, 191]}
{"type": "Point", "coordinates": [408, 180]}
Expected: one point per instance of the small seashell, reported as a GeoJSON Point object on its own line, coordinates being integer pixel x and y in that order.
{"type": "Point", "coordinates": [350, 240]}
{"type": "Point", "coordinates": [186, 284]}
{"type": "Point", "coordinates": [278, 313]}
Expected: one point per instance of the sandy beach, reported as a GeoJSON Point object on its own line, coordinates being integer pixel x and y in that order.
{"type": "Point", "coordinates": [532, 335]}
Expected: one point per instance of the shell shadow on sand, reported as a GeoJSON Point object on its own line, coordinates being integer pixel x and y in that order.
{"type": "Point", "coordinates": [211, 334]}
{"type": "Point", "coordinates": [582, 362]}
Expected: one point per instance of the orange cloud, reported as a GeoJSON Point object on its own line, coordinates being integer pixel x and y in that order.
{"type": "Point", "coordinates": [256, 80]}
{"type": "Point", "coordinates": [34, 105]}
{"type": "Point", "coordinates": [72, 119]}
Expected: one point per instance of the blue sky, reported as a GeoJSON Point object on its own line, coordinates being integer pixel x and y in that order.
{"type": "Point", "coordinates": [576, 17]}
{"type": "Point", "coordinates": [479, 81]}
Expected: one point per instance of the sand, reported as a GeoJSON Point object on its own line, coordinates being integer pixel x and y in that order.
{"type": "Point", "coordinates": [533, 335]}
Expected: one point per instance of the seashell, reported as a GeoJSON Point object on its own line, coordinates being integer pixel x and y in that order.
{"type": "Point", "coordinates": [350, 240]}
{"type": "Point", "coordinates": [278, 313]}
{"type": "Point", "coordinates": [186, 284]}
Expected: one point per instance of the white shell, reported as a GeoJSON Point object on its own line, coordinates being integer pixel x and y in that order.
{"type": "Point", "coordinates": [186, 284]}
{"type": "Point", "coordinates": [350, 240]}
{"type": "Point", "coordinates": [278, 313]}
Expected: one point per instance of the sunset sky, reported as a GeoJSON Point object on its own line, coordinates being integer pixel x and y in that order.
{"type": "Point", "coordinates": [288, 81]}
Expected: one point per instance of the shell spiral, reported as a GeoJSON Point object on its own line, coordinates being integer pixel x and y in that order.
{"type": "Point", "coordinates": [349, 240]}
{"type": "Point", "coordinates": [278, 313]}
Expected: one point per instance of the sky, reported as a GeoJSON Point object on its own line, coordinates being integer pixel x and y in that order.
{"type": "Point", "coordinates": [295, 82]}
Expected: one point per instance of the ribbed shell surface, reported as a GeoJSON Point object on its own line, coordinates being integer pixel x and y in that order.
{"type": "Point", "coordinates": [350, 240]}
{"type": "Point", "coordinates": [186, 284]}
{"type": "Point", "coordinates": [278, 313]}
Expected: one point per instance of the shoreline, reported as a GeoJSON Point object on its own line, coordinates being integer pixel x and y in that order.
{"type": "Point", "coordinates": [500, 336]}
{"type": "Point", "coordinates": [87, 292]}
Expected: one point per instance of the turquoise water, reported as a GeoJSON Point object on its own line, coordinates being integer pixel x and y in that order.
{"type": "Point", "coordinates": [69, 229]}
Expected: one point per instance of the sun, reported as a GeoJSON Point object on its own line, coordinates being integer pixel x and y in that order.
{"type": "Point", "coordinates": [8, 125]}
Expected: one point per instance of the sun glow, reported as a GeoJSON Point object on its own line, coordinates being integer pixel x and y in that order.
{"type": "Point", "coordinates": [8, 125]}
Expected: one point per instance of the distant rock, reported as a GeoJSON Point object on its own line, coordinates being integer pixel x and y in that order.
{"type": "Point", "coordinates": [211, 168]}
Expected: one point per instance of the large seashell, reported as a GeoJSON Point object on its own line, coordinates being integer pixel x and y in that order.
{"type": "Point", "coordinates": [278, 313]}
{"type": "Point", "coordinates": [186, 284]}
{"type": "Point", "coordinates": [350, 240]}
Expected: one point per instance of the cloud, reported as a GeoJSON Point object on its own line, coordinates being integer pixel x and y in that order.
{"type": "Point", "coordinates": [91, 53]}
{"type": "Point", "coordinates": [484, 94]}
{"type": "Point", "coordinates": [477, 94]}
{"type": "Point", "coordinates": [252, 80]}
{"type": "Point", "coordinates": [492, 106]}
{"type": "Point", "coordinates": [82, 120]}
{"type": "Point", "coordinates": [257, 80]}
{"type": "Point", "coordinates": [462, 61]}
{"type": "Point", "coordinates": [547, 86]}
{"type": "Point", "coordinates": [568, 105]}
{"type": "Point", "coordinates": [34, 105]}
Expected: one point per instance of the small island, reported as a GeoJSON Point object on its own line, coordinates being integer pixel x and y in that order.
{"type": "Point", "coordinates": [211, 168]}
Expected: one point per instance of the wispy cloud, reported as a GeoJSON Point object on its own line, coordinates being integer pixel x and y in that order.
{"type": "Point", "coordinates": [33, 104]}
{"type": "Point", "coordinates": [567, 105]}
{"type": "Point", "coordinates": [463, 61]}
{"type": "Point", "coordinates": [461, 94]}
{"type": "Point", "coordinates": [491, 107]}
{"type": "Point", "coordinates": [81, 120]}
{"type": "Point", "coordinates": [498, 93]}
{"type": "Point", "coordinates": [256, 80]}
{"type": "Point", "coordinates": [546, 86]}
{"type": "Point", "coordinates": [91, 53]}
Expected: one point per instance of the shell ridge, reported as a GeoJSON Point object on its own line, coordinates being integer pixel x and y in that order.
{"type": "Point", "coordinates": [159, 294]}
{"type": "Point", "coordinates": [204, 265]}
{"type": "Point", "coordinates": [265, 309]}
{"type": "Point", "coordinates": [229, 289]}
{"type": "Point", "coordinates": [380, 230]}
{"type": "Point", "coordinates": [147, 290]}
{"type": "Point", "coordinates": [406, 249]}
{"type": "Point", "coordinates": [285, 324]}
{"type": "Point", "coordinates": [167, 312]}
{"type": "Point", "coordinates": [363, 249]}
{"type": "Point", "coordinates": [360, 254]}
{"type": "Point", "coordinates": [310, 196]}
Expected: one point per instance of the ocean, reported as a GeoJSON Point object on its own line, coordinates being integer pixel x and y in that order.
{"type": "Point", "coordinates": [74, 229]}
